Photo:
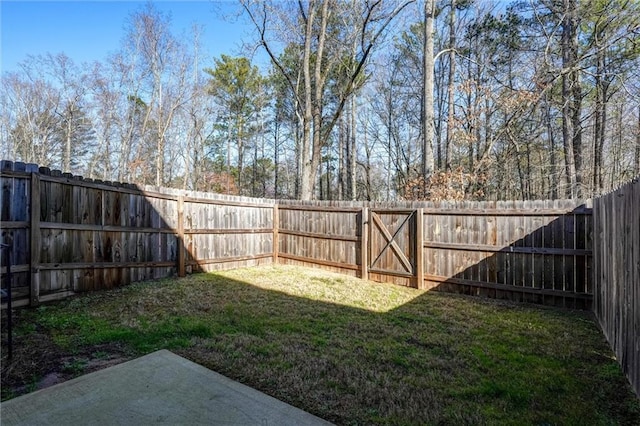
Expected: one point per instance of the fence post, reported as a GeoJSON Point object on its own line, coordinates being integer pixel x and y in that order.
{"type": "Point", "coordinates": [35, 241]}
{"type": "Point", "coordinates": [275, 238]}
{"type": "Point", "coordinates": [364, 243]}
{"type": "Point", "coordinates": [419, 248]}
{"type": "Point", "coordinates": [181, 254]}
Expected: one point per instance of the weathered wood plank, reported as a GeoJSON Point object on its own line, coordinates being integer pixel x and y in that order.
{"type": "Point", "coordinates": [14, 225]}
{"type": "Point", "coordinates": [103, 265]}
{"type": "Point", "coordinates": [504, 287]}
{"type": "Point", "coordinates": [35, 240]}
{"type": "Point", "coordinates": [275, 239]}
{"type": "Point", "coordinates": [510, 249]}
{"type": "Point", "coordinates": [104, 228]}
{"type": "Point", "coordinates": [231, 231]}
{"type": "Point", "coordinates": [181, 255]}
{"type": "Point", "coordinates": [364, 243]}
{"type": "Point", "coordinates": [318, 208]}
{"type": "Point", "coordinates": [511, 211]}
{"type": "Point", "coordinates": [333, 237]}
{"type": "Point", "coordinates": [419, 248]}
{"type": "Point", "coordinates": [340, 265]}
{"type": "Point", "coordinates": [201, 262]}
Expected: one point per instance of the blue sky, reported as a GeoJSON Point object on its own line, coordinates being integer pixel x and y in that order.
{"type": "Point", "coordinates": [88, 31]}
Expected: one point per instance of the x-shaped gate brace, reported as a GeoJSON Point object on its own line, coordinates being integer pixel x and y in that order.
{"type": "Point", "coordinates": [391, 239]}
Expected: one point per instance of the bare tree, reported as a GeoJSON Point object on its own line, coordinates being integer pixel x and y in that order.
{"type": "Point", "coordinates": [32, 127]}
{"type": "Point", "coordinates": [428, 131]}
{"type": "Point", "coordinates": [105, 98]}
{"type": "Point", "coordinates": [451, 82]}
{"type": "Point", "coordinates": [75, 126]}
{"type": "Point", "coordinates": [159, 71]}
{"type": "Point", "coordinates": [320, 55]}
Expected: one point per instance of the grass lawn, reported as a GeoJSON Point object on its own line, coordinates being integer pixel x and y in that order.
{"type": "Point", "coordinates": [347, 350]}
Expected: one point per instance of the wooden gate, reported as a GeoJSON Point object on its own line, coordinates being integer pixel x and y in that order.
{"type": "Point", "coordinates": [393, 248]}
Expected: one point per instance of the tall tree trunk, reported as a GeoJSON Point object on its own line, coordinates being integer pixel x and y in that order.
{"type": "Point", "coordinates": [636, 163]}
{"type": "Point", "coordinates": [299, 158]}
{"type": "Point", "coordinates": [576, 118]}
{"type": "Point", "coordinates": [390, 136]}
{"type": "Point", "coordinates": [451, 83]}
{"type": "Point", "coordinates": [321, 183]}
{"type": "Point", "coordinates": [568, 105]}
{"type": "Point", "coordinates": [240, 144]}
{"type": "Point", "coordinates": [307, 172]}
{"type": "Point", "coordinates": [469, 121]}
{"type": "Point", "coordinates": [329, 192]}
{"type": "Point", "coordinates": [571, 98]}
{"type": "Point", "coordinates": [427, 91]}
{"type": "Point", "coordinates": [229, 160]}
{"type": "Point", "coordinates": [313, 99]}
{"type": "Point", "coordinates": [318, 79]}
{"type": "Point", "coordinates": [616, 147]}
{"type": "Point", "coordinates": [254, 172]}
{"type": "Point", "coordinates": [367, 165]}
{"type": "Point", "coordinates": [352, 150]}
{"type": "Point", "coordinates": [160, 135]}
{"type": "Point", "coordinates": [342, 157]}
{"type": "Point", "coordinates": [66, 163]}
{"type": "Point", "coordinates": [440, 88]}
{"type": "Point", "coordinates": [160, 161]}
{"type": "Point", "coordinates": [599, 132]}
{"type": "Point", "coordinates": [276, 157]}
{"type": "Point", "coordinates": [553, 176]}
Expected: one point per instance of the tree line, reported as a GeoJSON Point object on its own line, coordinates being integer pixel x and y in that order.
{"type": "Point", "coordinates": [431, 99]}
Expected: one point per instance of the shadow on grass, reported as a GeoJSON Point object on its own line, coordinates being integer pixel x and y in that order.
{"type": "Point", "coordinates": [550, 265]}
{"type": "Point", "coordinates": [305, 337]}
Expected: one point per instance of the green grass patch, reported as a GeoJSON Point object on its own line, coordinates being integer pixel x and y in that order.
{"type": "Point", "coordinates": [73, 328]}
{"type": "Point", "coordinates": [357, 352]}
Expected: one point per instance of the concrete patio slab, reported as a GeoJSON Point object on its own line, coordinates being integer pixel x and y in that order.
{"type": "Point", "coordinates": [159, 388]}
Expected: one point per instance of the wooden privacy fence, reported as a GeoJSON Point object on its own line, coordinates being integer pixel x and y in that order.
{"type": "Point", "coordinates": [532, 251]}
{"type": "Point", "coordinates": [617, 275]}
{"type": "Point", "coordinates": [71, 234]}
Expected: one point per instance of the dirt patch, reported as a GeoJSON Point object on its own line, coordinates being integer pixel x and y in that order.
{"type": "Point", "coordinates": [34, 356]}
{"type": "Point", "coordinates": [50, 380]}
{"type": "Point", "coordinates": [38, 362]}
{"type": "Point", "coordinates": [101, 363]}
